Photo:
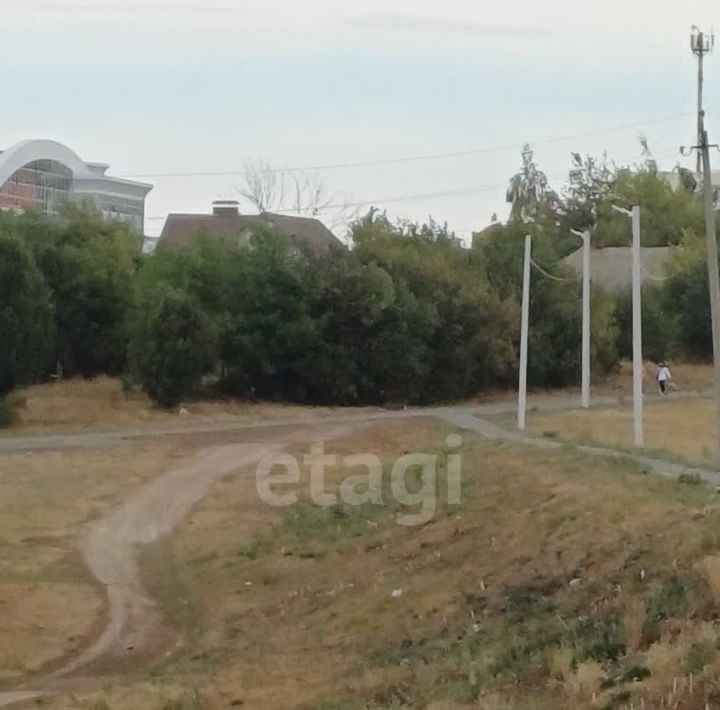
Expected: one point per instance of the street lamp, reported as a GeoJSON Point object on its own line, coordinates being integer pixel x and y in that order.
{"type": "Point", "coordinates": [585, 236]}
{"type": "Point", "coordinates": [524, 328]}
{"type": "Point", "coordinates": [639, 436]}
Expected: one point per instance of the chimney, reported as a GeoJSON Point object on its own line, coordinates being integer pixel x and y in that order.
{"type": "Point", "coordinates": [226, 208]}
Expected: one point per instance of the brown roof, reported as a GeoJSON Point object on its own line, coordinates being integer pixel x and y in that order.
{"type": "Point", "coordinates": [181, 229]}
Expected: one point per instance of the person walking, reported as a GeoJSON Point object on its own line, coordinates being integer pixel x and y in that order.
{"type": "Point", "coordinates": [664, 377]}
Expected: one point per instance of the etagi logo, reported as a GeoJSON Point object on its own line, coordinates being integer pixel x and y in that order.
{"type": "Point", "coordinates": [414, 480]}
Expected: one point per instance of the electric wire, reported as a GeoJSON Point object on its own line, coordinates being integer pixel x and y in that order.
{"type": "Point", "coordinates": [417, 158]}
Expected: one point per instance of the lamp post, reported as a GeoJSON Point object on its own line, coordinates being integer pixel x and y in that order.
{"type": "Point", "coordinates": [585, 236]}
{"type": "Point", "coordinates": [524, 334]}
{"type": "Point", "coordinates": [639, 436]}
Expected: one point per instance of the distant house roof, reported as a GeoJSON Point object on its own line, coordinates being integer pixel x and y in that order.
{"type": "Point", "coordinates": [227, 222]}
{"type": "Point", "coordinates": [611, 267]}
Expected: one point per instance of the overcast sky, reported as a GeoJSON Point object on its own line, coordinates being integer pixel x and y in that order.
{"type": "Point", "coordinates": [176, 86]}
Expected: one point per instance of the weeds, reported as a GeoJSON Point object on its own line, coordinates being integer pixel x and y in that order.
{"type": "Point", "coordinates": [189, 700]}
{"type": "Point", "coordinates": [690, 479]}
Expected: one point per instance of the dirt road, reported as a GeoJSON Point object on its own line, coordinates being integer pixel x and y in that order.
{"type": "Point", "coordinates": [98, 439]}
{"type": "Point", "coordinates": [111, 547]}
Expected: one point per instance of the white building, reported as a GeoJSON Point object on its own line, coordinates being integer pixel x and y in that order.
{"type": "Point", "coordinates": [42, 175]}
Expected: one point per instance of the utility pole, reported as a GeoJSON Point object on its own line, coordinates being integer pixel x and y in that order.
{"type": "Point", "coordinates": [585, 236]}
{"type": "Point", "coordinates": [524, 334]}
{"type": "Point", "coordinates": [701, 45]}
{"type": "Point", "coordinates": [712, 264]}
{"type": "Point", "coordinates": [638, 404]}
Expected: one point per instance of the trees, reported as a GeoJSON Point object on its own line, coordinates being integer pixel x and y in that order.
{"type": "Point", "coordinates": [666, 213]}
{"type": "Point", "coordinates": [685, 299]}
{"type": "Point", "coordinates": [268, 330]}
{"type": "Point", "coordinates": [25, 316]}
{"type": "Point", "coordinates": [173, 348]}
{"type": "Point", "coordinates": [468, 328]}
{"type": "Point", "coordinates": [406, 316]}
{"type": "Point", "coordinates": [372, 344]}
{"type": "Point", "coordinates": [659, 325]}
{"type": "Point", "coordinates": [555, 306]}
{"type": "Point", "coordinates": [88, 264]}
{"type": "Point", "coordinates": [529, 192]}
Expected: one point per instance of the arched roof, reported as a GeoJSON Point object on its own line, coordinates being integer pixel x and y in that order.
{"type": "Point", "coordinates": [19, 155]}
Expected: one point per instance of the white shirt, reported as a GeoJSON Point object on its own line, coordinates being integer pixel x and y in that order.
{"type": "Point", "coordinates": [664, 375]}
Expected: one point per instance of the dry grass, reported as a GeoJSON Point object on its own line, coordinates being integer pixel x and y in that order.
{"type": "Point", "coordinates": [634, 618]}
{"type": "Point", "coordinates": [684, 429]}
{"type": "Point", "coordinates": [559, 584]}
{"type": "Point", "coordinates": [48, 606]}
{"type": "Point", "coordinates": [101, 404]}
{"type": "Point", "coordinates": [687, 377]}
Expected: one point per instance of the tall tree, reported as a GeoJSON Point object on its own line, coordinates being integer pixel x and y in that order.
{"type": "Point", "coordinates": [88, 264]}
{"type": "Point", "coordinates": [25, 316]}
{"type": "Point", "coordinates": [529, 192]}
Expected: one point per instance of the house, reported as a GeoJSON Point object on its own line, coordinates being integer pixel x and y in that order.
{"type": "Point", "coordinates": [226, 222]}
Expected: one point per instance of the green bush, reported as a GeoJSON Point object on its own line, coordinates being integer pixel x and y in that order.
{"type": "Point", "coordinates": [659, 324]}
{"type": "Point", "coordinates": [173, 348]}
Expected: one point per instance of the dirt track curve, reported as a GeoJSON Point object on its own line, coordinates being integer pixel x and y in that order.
{"type": "Point", "coordinates": [111, 545]}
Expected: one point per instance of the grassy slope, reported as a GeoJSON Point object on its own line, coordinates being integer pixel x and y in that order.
{"type": "Point", "coordinates": [102, 404]}
{"type": "Point", "coordinates": [559, 583]}
{"type": "Point", "coordinates": [678, 429]}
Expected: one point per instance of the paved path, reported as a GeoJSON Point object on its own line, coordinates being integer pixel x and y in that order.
{"type": "Point", "coordinates": [94, 439]}
{"type": "Point", "coordinates": [468, 420]}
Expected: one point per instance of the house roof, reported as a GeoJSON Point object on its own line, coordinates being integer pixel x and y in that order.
{"type": "Point", "coordinates": [181, 229]}
{"type": "Point", "coordinates": [611, 267]}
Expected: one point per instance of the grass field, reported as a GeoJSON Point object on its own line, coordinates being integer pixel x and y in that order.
{"type": "Point", "coordinates": [560, 582]}
{"type": "Point", "coordinates": [683, 429]}
{"type": "Point", "coordinates": [48, 605]}
{"type": "Point", "coordinates": [102, 404]}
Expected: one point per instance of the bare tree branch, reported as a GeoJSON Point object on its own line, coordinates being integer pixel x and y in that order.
{"type": "Point", "coordinates": [270, 189]}
{"type": "Point", "coordinates": [263, 186]}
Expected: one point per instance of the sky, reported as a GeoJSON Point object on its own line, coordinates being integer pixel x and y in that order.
{"type": "Point", "coordinates": [161, 87]}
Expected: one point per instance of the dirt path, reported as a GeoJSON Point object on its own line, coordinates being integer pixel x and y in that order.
{"type": "Point", "coordinates": [111, 547]}
{"type": "Point", "coordinates": [93, 439]}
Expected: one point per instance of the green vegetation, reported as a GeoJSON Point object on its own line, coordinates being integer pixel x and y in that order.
{"type": "Point", "coordinates": [406, 315]}
{"type": "Point", "coordinates": [25, 315]}
{"type": "Point", "coordinates": [173, 349]}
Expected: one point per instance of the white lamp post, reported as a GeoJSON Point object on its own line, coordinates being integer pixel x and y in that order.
{"type": "Point", "coordinates": [585, 236]}
{"type": "Point", "coordinates": [639, 436]}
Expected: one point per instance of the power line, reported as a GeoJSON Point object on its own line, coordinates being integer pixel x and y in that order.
{"type": "Point", "coordinates": [419, 158]}
{"type": "Point", "coordinates": [545, 273]}
{"type": "Point", "coordinates": [400, 198]}
{"type": "Point", "coordinates": [457, 192]}
{"type": "Point", "coordinates": [652, 276]}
